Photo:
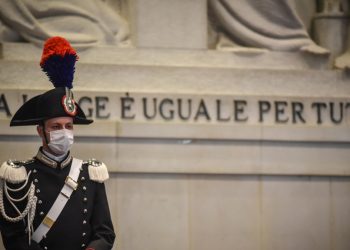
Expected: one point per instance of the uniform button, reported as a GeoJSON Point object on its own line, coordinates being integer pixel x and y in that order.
{"type": "Point", "coordinates": [34, 171]}
{"type": "Point", "coordinates": [38, 190]}
{"type": "Point", "coordinates": [84, 222]}
{"type": "Point", "coordinates": [84, 188]}
{"type": "Point", "coordinates": [85, 210]}
{"type": "Point", "coordinates": [85, 199]}
{"type": "Point", "coordinates": [41, 213]}
{"type": "Point", "coordinates": [35, 180]}
{"type": "Point", "coordinates": [45, 248]}
{"type": "Point", "coordinates": [83, 245]}
{"type": "Point", "coordinates": [84, 234]}
{"type": "Point", "coordinates": [83, 178]}
{"type": "Point", "coordinates": [40, 201]}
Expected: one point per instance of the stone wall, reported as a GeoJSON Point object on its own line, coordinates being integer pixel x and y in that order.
{"type": "Point", "coordinates": [211, 144]}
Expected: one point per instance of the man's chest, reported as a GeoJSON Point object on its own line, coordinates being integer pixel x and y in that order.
{"type": "Point", "coordinates": [73, 221]}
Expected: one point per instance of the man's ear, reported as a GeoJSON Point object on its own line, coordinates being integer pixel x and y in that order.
{"type": "Point", "coordinates": [41, 132]}
{"type": "Point", "coordinates": [39, 129]}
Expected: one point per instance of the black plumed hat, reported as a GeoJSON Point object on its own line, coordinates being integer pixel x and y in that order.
{"type": "Point", "coordinates": [58, 62]}
{"type": "Point", "coordinates": [46, 106]}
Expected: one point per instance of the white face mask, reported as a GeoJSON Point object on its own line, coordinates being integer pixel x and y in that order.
{"type": "Point", "coordinates": [61, 141]}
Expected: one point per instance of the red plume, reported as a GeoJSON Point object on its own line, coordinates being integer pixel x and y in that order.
{"type": "Point", "coordinates": [56, 46]}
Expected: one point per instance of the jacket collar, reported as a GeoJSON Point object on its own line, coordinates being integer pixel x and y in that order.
{"type": "Point", "coordinates": [52, 163]}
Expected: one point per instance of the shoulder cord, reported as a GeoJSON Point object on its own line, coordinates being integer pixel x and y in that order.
{"type": "Point", "coordinates": [29, 209]}
{"type": "Point", "coordinates": [21, 187]}
{"type": "Point", "coordinates": [11, 199]}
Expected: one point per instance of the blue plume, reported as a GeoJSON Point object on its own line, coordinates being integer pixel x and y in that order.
{"type": "Point", "coordinates": [60, 69]}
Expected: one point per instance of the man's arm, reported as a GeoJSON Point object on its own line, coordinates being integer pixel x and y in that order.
{"type": "Point", "coordinates": [14, 237]}
{"type": "Point", "coordinates": [15, 197]}
{"type": "Point", "coordinates": [103, 235]}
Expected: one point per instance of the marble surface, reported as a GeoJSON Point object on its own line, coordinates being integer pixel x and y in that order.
{"type": "Point", "coordinates": [194, 186]}
{"type": "Point", "coordinates": [230, 212]}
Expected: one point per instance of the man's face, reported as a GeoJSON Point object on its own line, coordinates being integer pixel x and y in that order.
{"type": "Point", "coordinates": [59, 123]}
{"type": "Point", "coordinates": [55, 124]}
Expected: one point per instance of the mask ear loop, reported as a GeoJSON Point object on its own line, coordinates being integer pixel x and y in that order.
{"type": "Point", "coordinates": [44, 131]}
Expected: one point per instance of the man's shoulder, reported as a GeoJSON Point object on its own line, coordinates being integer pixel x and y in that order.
{"type": "Point", "coordinates": [14, 171]}
{"type": "Point", "coordinates": [98, 171]}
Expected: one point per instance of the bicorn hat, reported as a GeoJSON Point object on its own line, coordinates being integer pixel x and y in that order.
{"type": "Point", "coordinates": [58, 62]}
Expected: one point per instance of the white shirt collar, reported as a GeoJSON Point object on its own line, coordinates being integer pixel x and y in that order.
{"type": "Point", "coordinates": [58, 158]}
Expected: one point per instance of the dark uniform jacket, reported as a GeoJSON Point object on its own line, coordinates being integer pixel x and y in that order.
{"type": "Point", "coordinates": [84, 222]}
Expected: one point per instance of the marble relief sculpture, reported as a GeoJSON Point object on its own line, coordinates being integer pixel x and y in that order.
{"type": "Point", "coordinates": [265, 24]}
{"type": "Point", "coordinates": [258, 25]}
{"type": "Point", "coordinates": [236, 25]}
{"type": "Point", "coordinates": [331, 29]}
{"type": "Point", "coordinates": [84, 23]}
{"type": "Point", "coordinates": [342, 14]}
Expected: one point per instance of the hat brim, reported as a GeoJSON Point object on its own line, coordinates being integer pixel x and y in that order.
{"type": "Point", "coordinates": [28, 113]}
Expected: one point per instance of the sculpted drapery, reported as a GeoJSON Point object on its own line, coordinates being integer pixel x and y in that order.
{"type": "Point", "coordinates": [237, 25]}
{"type": "Point", "coordinates": [269, 24]}
{"type": "Point", "coordinates": [84, 23]}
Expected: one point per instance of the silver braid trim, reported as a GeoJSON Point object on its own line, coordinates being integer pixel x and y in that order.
{"type": "Point", "coordinates": [29, 210]}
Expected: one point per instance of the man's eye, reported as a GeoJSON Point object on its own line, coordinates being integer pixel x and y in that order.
{"type": "Point", "coordinates": [69, 127]}
{"type": "Point", "coordinates": [55, 127]}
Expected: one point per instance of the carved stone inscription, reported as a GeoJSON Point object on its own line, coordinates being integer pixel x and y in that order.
{"type": "Point", "coordinates": [210, 109]}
